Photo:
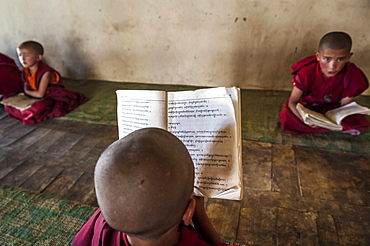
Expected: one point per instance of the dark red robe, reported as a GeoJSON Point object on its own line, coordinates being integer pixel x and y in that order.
{"type": "Point", "coordinates": [321, 94]}
{"type": "Point", "coordinates": [10, 76]}
{"type": "Point", "coordinates": [96, 232]}
{"type": "Point", "coordinates": [57, 101]}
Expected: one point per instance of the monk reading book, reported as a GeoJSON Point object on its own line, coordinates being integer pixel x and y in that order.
{"type": "Point", "coordinates": [324, 82]}
{"type": "Point", "coordinates": [43, 83]}
{"type": "Point", "coordinates": [144, 187]}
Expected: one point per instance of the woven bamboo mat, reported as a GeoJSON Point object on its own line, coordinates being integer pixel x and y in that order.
{"type": "Point", "coordinates": [27, 218]}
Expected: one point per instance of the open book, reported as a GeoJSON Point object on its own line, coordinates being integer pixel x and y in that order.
{"type": "Point", "coordinates": [207, 121]}
{"type": "Point", "coordinates": [20, 101]}
{"type": "Point", "coordinates": [332, 118]}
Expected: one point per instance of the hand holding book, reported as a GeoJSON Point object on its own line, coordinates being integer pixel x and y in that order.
{"type": "Point", "coordinates": [332, 118]}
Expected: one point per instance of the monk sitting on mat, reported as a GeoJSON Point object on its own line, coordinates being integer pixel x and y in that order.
{"type": "Point", "coordinates": [144, 187]}
{"type": "Point", "coordinates": [44, 83]}
{"type": "Point", "coordinates": [324, 82]}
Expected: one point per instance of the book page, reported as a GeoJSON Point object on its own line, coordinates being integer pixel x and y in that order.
{"type": "Point", "coordinates": [207, 121]}
{"type": "Point", "coordinates": [318, 119]}
{"type": "Point", "coordinates": [20, 101]}
{"type": "Point", "coordinates": [338, 114]}
{"type": "Point", "coordinates": [138, 109]}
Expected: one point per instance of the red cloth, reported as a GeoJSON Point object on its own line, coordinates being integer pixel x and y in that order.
{"type": "Point", "coordinates": [96, 232]}
{"type": "Point", "coordinates": [321, 94]}
{"type": "Point", "coordinates": [10, 76]}
{"type": "Point", "coordinates": [41, 70]}
{"type": "Point", "coordinates": [56, 103]}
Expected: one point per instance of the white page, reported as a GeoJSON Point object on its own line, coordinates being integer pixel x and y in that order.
{"type": "Point", "coordinates": [206, 122]}
{"type": "Point", "coordinates": [318, 119]}
{"type": "Point", "coordinates": [138, 109]}
{"type": "Point", "coordinates": [340, 113]}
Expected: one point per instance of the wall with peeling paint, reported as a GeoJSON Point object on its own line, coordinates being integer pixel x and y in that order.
{"type": "Point", "coordinates": [250, 44]}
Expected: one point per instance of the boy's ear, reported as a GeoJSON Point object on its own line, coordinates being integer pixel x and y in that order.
{"type": "Point", "coordinates": [189, 212]}
{"type": "Point", "coordinates": [39, 57]}
{"type": "Point", "coordinates": [349, 56]}
{"type": "Point", "coordinates": [317, 55]}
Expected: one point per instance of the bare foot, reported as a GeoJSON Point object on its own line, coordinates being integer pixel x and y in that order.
{"type": "Point", "coordinates": [353, 132]}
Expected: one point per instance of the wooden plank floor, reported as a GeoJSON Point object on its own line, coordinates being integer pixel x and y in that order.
{"type": "Point", "coordinates": [292, 195]}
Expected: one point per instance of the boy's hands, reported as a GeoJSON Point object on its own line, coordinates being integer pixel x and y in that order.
{"type": "Point", "coordinates": [295, 96]}
{"type": "Point", "coordinates": [46, 79]}
{"type": "Point", "coordinates": [200, 204]}
{"type": "Point", "coordinates": [312, 126]}
{"type": "Point", "coordinates": [202, 223]}
{"type": "Point", "coordinates": [26, 87]}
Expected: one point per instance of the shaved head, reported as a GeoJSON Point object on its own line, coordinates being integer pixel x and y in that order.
{"type": "Point", "coordinates": [144, 182]}
{"type": "Point", "coordinates": [35, 46]}
{"type": "Point", "coordinates": [336, 41]}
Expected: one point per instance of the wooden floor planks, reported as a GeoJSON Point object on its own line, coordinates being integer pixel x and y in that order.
{"type": "Point", "coordinates": [292, 195]}
{"type": "Point", "coordinates": [256, 221]}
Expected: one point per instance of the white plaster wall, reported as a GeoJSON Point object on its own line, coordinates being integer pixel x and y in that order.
{"type": "Point", "coordinates": [250, 44]}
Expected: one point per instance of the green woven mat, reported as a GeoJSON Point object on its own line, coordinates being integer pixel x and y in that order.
{"type": "Point", "coordinates": [102, 107]}
{"type": "Point", "coordinates": [260, 109]}
{"type": "Point", "coordinates": [260, 122]}
{"type": "Point", "coordinates": [27, 218]}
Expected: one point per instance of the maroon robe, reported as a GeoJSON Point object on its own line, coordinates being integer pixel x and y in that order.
{"type": "Point", "coordinates": [96, 232]}
{"type": "Point", "coordinates": [10, 76]}
{"type": "Point", "coordinates": [321, 94]}
{"type": "Point", "coordinates": [57, 101]}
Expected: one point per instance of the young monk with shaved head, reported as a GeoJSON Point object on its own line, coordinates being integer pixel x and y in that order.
{"type": "Point", "coordinates": [39, 81]}
{"type": "Point", "coordinates": [324, 82]}
{"type": "Point", "coordinates": [144, 186]}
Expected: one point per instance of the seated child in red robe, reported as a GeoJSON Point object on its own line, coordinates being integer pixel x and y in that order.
{"type": "Point", "coordinates": [144, 187]}
{"type": "Point", "coordinates": [42, 82]}
{"type": "Point", "coordinates": [324, 82]}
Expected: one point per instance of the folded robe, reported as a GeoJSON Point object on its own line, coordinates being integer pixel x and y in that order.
{"type": "Point", "coordinates": [10, 76]}
{"type": "Point", "coordinates": [57, 102]}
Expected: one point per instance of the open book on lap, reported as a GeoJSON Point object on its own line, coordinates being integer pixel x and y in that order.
{"type": "Point", "coordinates": [20, 101]}
{"type": "Point", "coordinates": [332, 118]}
{"type": "Point", "coordinates": [207, 121]}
